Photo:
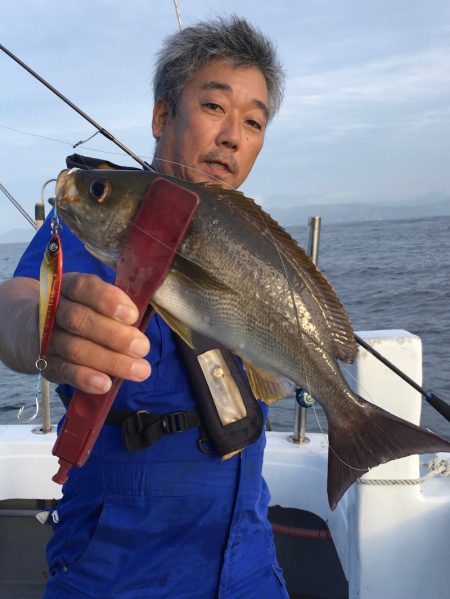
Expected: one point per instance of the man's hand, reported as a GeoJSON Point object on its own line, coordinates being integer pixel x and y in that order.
{"type": "Point", "coordinates": [93, 338]}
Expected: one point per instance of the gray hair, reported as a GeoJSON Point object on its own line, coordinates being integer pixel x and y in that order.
{"type": "Point", "coordinates": [233, 39]}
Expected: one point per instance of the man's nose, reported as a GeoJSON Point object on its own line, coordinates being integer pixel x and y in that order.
{"type": "Point", "coordinates": [230, 133]}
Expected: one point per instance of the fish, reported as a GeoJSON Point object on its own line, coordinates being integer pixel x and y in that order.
{"type": "Point", "coordinates": [241, 280]}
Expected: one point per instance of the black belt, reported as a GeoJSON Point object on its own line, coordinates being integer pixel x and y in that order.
{"type": "Point", "coordinates": [141, 429]}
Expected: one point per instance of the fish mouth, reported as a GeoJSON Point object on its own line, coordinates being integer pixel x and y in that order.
{"type": "Point", "coordinates": [74, 222]}
{"type": "Point", "coordinates": [109, 257]}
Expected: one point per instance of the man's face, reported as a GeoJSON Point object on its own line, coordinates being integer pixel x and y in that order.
{"type": "Point", "coordinates": [218, 129]}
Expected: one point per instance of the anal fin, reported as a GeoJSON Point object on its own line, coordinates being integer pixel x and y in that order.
{"type": "Point", "coordinates": [268, 386]}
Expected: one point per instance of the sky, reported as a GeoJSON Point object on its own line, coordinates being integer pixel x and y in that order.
{"type": "Point", "coordinates": [366, 116]}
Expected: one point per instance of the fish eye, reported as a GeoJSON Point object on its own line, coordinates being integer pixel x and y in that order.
{"type": "Point", "coordinates": [98, 190]}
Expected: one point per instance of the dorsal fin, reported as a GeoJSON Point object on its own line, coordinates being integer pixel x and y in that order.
{"type": "Point", "coordinates": [341, 332]}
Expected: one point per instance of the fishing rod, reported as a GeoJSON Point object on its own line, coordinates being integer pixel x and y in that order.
{"type": "Point", "coordinates": [438, 404]}
{"type": "Point", "coordinates": [99, 128]}
{"type": "Point", "coordinates": [177, 11]}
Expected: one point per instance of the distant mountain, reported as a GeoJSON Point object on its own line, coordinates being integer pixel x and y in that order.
{"type": "Point", "coordinates": [430, 204]}
{"type": "Point", "coordinates": [433, 204]}
{"type": "Point", "coordinates": [17, 235]}
{"type": "Point", "coordinates": [433, 197]}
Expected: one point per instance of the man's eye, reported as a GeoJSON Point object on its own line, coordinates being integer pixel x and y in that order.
{"type": "Point", "coordinates": [213, 106]}
{"type": "Point", "coordinates": [254, 124]}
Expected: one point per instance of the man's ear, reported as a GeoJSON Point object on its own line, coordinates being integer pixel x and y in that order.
{"type": "Point", "coordinates": [160, 116]}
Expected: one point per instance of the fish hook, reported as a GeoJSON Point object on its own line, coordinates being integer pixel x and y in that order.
{"type": "Point", "coordinates": [33, 416]}
{"type": "Point", "coordinates": [41, 364]}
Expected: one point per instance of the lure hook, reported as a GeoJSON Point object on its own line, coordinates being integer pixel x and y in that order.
{"type": "Point", "coordinates": [33, 416]}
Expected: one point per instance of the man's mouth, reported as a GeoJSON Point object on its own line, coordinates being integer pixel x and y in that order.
{"type": "Point", "coordinates": [220, 166]}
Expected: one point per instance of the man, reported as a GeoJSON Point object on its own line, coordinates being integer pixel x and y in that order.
{"type": "Point", "coordinates": [168, 520]}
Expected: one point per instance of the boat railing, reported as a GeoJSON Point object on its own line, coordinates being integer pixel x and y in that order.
{"type": "Point", "coordinates": [299, 432]}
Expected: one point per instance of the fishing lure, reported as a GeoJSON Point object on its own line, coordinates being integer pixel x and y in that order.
{"type": "Point", "coordinates": [49, 291]}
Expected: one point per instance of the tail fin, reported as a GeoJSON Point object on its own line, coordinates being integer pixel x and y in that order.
{"type": "Point", "coordinates": [373, 438]}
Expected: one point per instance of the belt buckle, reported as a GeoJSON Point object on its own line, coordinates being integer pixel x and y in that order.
{"type": "Point", "coordinates": [175, 422]}
{"type": "Point", "coordinates": [138, 420]}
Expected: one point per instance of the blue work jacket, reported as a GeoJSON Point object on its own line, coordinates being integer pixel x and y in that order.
{"type": "Point", "coordinates": [165, 521]}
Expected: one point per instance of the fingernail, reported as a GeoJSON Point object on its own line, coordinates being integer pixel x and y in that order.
{"type": "Point", "coordinates": [139, 347]}
{"type": "Point", "coordinates": [100, 383]}
{"type": "Point", "coordinates": [126, 314]}
{"type": "Point", "coordinates": [140, 370]}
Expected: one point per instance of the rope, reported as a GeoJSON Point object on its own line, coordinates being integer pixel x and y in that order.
{"type": "Point", "coordinates": [301, 533]}
{"type": "Point", "coordinates": [436, 467]}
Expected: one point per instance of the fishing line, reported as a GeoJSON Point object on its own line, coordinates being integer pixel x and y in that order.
{"type": "Point", "coordinates": [353, 378]}
{"type": "Point", "coordinates": [265, 219]}
{"type": "Point", "coordinates": [195, 170]}
{"type": "Point", "coordinates": [69, 143]}
{"type": "Point", "coordinates": [327, 442]}
{"type": "Point", "coordinates": [101, 130]}
{"type": "Point", "coordinates": [326, 436]}
{"type": "Point", "coordinates": [86, 165]}
{"type": "Point", "coordinates": [301, 330]}
{"type": "Point", "coordinates": [60, 141]}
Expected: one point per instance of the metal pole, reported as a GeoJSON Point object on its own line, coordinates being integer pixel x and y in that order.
{"type": "Point", "coordinates": [299, 434]}
{"type": "Point", "coordinates": [46, 417]}
{"type": "Point", "coordinates": [39, 207]}
{"type": "Point", "coordinates": [314, 238]}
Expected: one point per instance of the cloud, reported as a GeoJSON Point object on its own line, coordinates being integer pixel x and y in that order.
{"type": "Point", "coordinates": [404, 94]}
{"type": "Point", "coordinates": [392, 80]}
{"type": "Point", "coordinates": [368, 92]}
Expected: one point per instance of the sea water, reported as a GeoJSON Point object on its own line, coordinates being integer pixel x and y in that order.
{"type": "Point", "coordinates": [388, 275]}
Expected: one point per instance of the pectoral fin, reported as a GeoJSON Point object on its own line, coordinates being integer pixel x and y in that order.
{"type": "Point", "coordinates": [177, 327]}
{"type": "Point", "coordinates": [266, 385]}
